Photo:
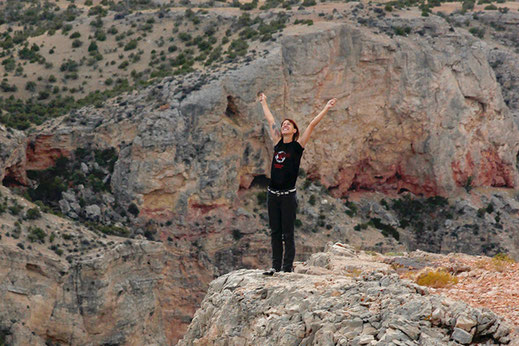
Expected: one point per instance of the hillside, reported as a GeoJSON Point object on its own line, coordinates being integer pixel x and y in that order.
{"type": "Point", "coordinates": [58, 56]}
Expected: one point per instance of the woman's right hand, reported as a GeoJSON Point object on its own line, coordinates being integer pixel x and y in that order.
{"type": "Point", "coordinates": [262, 98]}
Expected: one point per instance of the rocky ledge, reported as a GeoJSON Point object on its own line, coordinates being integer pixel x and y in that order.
{"type": "Point", "coordinates": [338, 297]}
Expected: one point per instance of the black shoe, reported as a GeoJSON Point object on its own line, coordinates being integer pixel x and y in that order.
{"type": "Point", "coordinates": [270, 272]}
{"type": "Point", "coordinates": [288, 270]}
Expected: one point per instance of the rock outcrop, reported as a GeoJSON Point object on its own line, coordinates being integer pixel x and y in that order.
{"type": "Point", "coordinates": [337, 298]}
{"type": "Point", "coordinates": [61, 283]}
{"type": "Point", "coordinates": [12, 157]}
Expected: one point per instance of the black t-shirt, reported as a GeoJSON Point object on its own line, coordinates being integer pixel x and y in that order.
{"type": "Point", "coordinates": [285, 165]}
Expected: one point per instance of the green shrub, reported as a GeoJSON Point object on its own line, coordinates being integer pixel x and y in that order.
{"type": "Point", "coordinates": [69, 66]}
{"type": "Point", "coordinates": [66, 28]}
{"type": "Point", "coordinates": [30, 86]}
{"type": "Point", "coordinates": [97, 11]}
{"type": "Point", "coordinates": [248, 6]}
{"type": "Point", "coordinates": [304, 21]}
{"type": "Point", "coordinates": [33, 213]}
{"type": "Point", "coordinates": [468, 184]}
{"type": "Point", "coordinates": [309, 3]}
{"type": "Point", "coordinates": [261, 197]}
{"type": "Point", "coordinates": [467, 5]}
{"type": "Point", "coordinates": [387, 230]}
{"type": "Point", "coordinates": [133, 209]}
{"type": "Point", "coordinates": [56, 250]}
{"type": "Point", "coordinates": [184, 36]}
{"type": "Point", "coordinates": [108, 230]}
{"type": "Point", "coordinates": [131, 45]}
{"type": "Point", "coordinates": [36, 234]}
{"type": "Point", "coordinates": [15, 208]}
{"type": "Point", "coordinates": [402, 31]}
{"type": "Point", "coordinates": [97, 23]}
{"type": "Point", "coordinates": [236, 234]}
{"type": "Point", "coordinates": [112, 30]}
{"type": "Point", "coordinates": [123, 65]}
{"type": "Point", "coordinates": [361, 226]}
{"type": "Point", "coordinates": [352, 208]}
{"type": "Point", "coordinates": [31, 54]}
{"type": "Point", "coordinates": [478, 32]}
{"type": "Point", "coordinates": [100, 35]}
{"type": "Point", "coordinates": [9, 64]}
{"type": "Point", "coordinates": [421, 213]}
{"type": "Point", "coordinates": [271, 4]}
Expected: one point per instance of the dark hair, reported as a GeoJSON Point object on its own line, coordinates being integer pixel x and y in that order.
{"type": "Point", "coordinates": [296, 135]}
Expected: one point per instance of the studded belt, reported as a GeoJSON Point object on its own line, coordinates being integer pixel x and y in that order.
{"type": "Point", "coordinates": [281, 193]}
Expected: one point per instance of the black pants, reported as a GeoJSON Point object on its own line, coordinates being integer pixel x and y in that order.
{"type": "Point", "coordinates": [282, 215]}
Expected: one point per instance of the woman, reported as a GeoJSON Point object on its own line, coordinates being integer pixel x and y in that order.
{"type": "Point", "coordinates": [281, 196]}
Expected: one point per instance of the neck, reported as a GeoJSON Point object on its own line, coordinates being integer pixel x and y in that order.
{"type": "Point", "coordinates": [287, 138]}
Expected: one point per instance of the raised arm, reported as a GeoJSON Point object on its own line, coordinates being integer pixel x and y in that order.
{"type": "Point", "coordinates": [274, 130]}
{"type": "Point", "coordinates": [306, 135]}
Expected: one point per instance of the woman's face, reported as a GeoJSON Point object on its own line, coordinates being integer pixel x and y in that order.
{"type": "Point", "coordinates": [287, 128]}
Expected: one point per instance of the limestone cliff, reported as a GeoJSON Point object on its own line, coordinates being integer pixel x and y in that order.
{"type": "Point", "coordinates": [63, 284]}
{"type": "Point", "coordinates": [418, 113]}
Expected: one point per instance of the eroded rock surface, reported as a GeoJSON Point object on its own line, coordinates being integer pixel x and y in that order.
{"type": "Point", "coordinates": [349, 301]}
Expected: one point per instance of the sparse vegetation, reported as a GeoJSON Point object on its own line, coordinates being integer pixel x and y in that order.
{"type": "Point", "coordinates": [33, 213]}
{"type": "Point", "coordinates": [478, 32]}
{"type": "Point", "coordinates": [412, 212]}
{"type": "Point", "coordinates": [67, 172]}
{"type": "Point", "coordinates": [74, 78]}
{"type": "Point", "coordinates": [133, 209]}
{"type": "Point", "coordinates": [436, 278]}
{"type": "Point", "coordinates": [402, 30]}
{"type": "Point", "coordinates": [352, 208]}
{"type": "Point", "coordinates": [261, 197]}
{"type": "Point", "coordinates": [468, 184]}
{"type": "Point", "coordinates": [499, 262]}
{"type": "Point", "coordinates": [36, 234]}
{"type": "Point", "coordinates": [108, 229]}
{"type": "Point", "coordinates": [237, 234]}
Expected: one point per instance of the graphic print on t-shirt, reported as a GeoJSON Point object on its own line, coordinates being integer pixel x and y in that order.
{"type": "Point", "coordinates": [280, 158]}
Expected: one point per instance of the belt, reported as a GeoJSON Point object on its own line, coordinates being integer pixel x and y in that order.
{"type": "Point", "coordinates": [281, 193]}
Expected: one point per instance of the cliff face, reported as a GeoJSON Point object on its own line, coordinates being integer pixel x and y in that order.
{"type": "Point", "coordinates": [12, 157]}
{"type": "Point", "coordinates": [338, 298]}
{"type": "Point", "coordinates": [422, 114]}
{"type": "Point", "coordinates": [73, 286]}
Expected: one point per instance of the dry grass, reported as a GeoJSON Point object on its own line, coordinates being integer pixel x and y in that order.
{"type": "Point", "coordinates": [436, 279]}
{"type": "Point", "coordinates": [500, 262]}
{"type": "Point", "coordinates": [353, 273]}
